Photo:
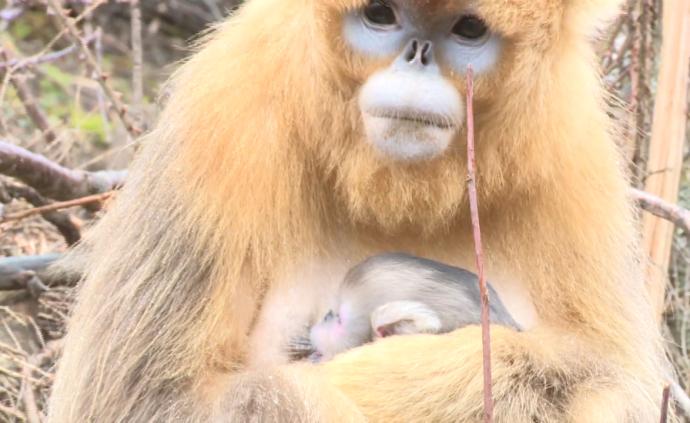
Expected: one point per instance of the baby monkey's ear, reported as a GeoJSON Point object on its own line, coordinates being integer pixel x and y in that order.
{"type": "Point", "coordinates": [403, 318]}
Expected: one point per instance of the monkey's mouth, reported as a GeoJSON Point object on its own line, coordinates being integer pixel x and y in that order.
{"type": "Point", "coordinates": [409, 134]}
{"type": "Point", "coordinates": [415, 117]}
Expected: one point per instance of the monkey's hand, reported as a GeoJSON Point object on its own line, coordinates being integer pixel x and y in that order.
{"type": "Point", "coordinates": [438, 378]}
{"type": "Point", "coordinates": [404, 318]}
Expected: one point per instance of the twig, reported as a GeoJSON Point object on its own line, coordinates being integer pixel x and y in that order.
{"type": "Point", "coordinates": [62, 222]}
{"type": "Point", "coordinates": [137, 61]}
{"type": "Point", "coordinates": [664, 404]}
{"type": "Point", "coordinates": [38, 59]}
{"type": "Point", "coordinates": [53, 180]}
{"type": "Point", "coordinates": [102, 79]}
{"type": "Point", "coordinates": [620, 55]}
{"type": "Point", "coordinates": [10, 13]}
{"type": "Point", "coordinates": [33, 110]}
{"type": "Point", "coordinates": [681, 398]}
{"type": "Point", "coordinates": [663, 209]}
{"type": "Point", "coordinates": [476, 232]}
{"type": "Point", "coordinates": [613, 33]}
{"type": "Point", "coordinates": [29, 398]}
{"type": "Point", "coordinates": [51, 351]}
{"type": "Point", "coordinates": [93, 6]}
{"type": "Point", "coordinates": [12, 412]}
{"type": "Point", "coordinates": [96, 198]}
{"type": "Point", "coordinates": [33, 363]}
{"type": "Point", "coordinates": [100, 97]}
{"type": "Point", "coordinates": [634, 72]}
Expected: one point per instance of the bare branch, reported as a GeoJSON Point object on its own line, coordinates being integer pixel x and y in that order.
{"type": "Point", "coordinates": [62, 222]}
{"type": "Point", "coordinates": [91, 61]}
{"type": "Point", "coordinates": [26, 272]}
{"type": "Point", "coordinates": [29, 397]}
{"type": "Point", "coordinates": [664, 404]}
{"type": "Point", "coordinates": [663, 209]}
{"type": "Point", "coordinates": [137, 61]}
{"type": "Point", "coordinates": [53, 180]}
{"type": "Point", "coordinates": [476, 232]}
{"type": "Point", "coordinates": [10, 13]}
{"type": "Point", "coordinates": [38, 59]}
{"type": "Point", "coordinates": [23, 263]}
{"type": "Point", "coordinates": [681, 398]}
{"type": "Point", "coordinates": [33, 110]}
{"type": "Point", "coordinates": [12, 412]}
{"type": "Point", "coordinates": [96, 198]}
{"type": "Point", "coordinates": [22, 280]}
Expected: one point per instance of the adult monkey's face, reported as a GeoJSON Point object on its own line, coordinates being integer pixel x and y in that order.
{"type": "Point", "coordinates": [411, 107]}
{"type": "Point", "coordinates": [399, 159]}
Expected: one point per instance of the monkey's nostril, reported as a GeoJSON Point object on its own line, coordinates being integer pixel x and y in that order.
{"type": "Point", "coordinates": [426, 53]}
{"type": "Point", "coordinates": [411, 53]}
{"type": "Point", "coordinates": [417, 52]}
{"type": "Point", "coordinates": [328, 316]}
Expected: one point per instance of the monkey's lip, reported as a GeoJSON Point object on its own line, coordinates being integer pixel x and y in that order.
{"type": "Point", "coordinates": [415, 116]}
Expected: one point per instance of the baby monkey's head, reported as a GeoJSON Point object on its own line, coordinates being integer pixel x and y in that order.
{"type": "Point", "coordinates": [339, 331]}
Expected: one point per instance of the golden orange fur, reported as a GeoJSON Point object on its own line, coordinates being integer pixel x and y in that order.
{"type": "Point", "coordinates": [259, 164]}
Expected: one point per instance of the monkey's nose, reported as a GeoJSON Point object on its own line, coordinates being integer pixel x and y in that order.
{"type": "Point", "coordinates": [419, 52]}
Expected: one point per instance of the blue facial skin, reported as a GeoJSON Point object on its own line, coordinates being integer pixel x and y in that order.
{"type": "Point", "coordinates": [453, 52]}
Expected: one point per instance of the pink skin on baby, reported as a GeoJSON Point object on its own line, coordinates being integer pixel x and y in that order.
{"type": "Point", "coordinates": [330, 335]}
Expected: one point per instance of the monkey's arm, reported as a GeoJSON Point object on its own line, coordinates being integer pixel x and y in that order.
{"type": "Point", "coordinates": [439, 378]}
{"type": "Point", "coordinates": [594, 355]}
{"type": "Point", "coordinates": [404, 317]}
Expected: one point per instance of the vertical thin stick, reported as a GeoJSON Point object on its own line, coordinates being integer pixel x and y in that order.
{"type": "Point", "coordinates": [476, 232]}
{"type": "Point", "coordinates": [69, 25]}
{"type": "Point", "coordinates": [664, 403]}
{"type": "Point", "coordinates": [137, 61]}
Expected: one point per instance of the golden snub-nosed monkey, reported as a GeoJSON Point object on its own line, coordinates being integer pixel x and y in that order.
{"type": "Point", "coordinates": [306, 135]}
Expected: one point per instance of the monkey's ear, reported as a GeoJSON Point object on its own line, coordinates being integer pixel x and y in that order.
{"type": "Point", "coordinates": [404, 317]}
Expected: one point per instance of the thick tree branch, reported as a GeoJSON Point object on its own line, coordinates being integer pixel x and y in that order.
{"type": "Point", "coordinates": [27, 272]}
{"type": "Point", "coordinates": [53, 180]}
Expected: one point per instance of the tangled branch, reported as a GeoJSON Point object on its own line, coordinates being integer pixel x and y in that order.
{"type": "Point", "coordinates": [91, 61]}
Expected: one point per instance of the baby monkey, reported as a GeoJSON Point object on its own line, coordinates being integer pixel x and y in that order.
{"type": "Point", "coordinates": [397, 294]}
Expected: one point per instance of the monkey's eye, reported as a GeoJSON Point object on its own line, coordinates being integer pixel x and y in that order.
{"type": "Point", "coordinates": [470, 27]}
{"type": "Point", "coordinates": [379, 13]}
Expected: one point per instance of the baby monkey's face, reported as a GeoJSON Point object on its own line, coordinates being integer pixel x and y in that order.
{"type": "Point", "coordinates": [339, 331]}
